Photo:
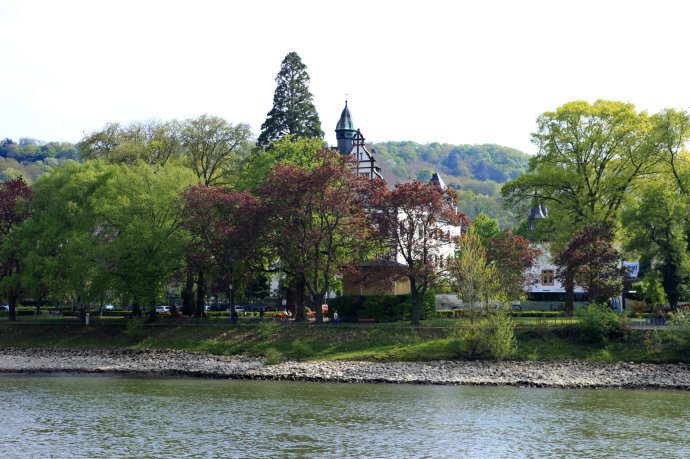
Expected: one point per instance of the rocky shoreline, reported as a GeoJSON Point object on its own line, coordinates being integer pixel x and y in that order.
{"type": "Point", "coordinates": [557, 374]}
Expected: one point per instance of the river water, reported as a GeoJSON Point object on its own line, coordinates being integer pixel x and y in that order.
{"type": "Point", "coordinates": [115, 416]}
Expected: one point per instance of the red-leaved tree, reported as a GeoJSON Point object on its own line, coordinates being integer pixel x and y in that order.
{"type": "Point", "coordinates": [590, 260]}
{"type": "Point", "coordinates": [316, 224]}
{"type": "Point", "coordinates": [421, 224]}
{"type": "Point", "coordinates": [14, 196]}
{"type": "Point", "coordinates": [513, 256]}
{"type": "Point", "coordinates": [226, 226]}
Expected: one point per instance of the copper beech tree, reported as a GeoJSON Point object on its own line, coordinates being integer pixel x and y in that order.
{"type": "Point", "coordinates": [513, 256]}
{"type": "Point", "coordinates": [315, 222]}
{"type": "Point", "coordinates": [590, 260]}
{"type": "Point", "coordinates": [421, 223]}
{"type": "Point", "coordinates": [13, 195]}
{"type": "Point", "coordinates": [226, 226]}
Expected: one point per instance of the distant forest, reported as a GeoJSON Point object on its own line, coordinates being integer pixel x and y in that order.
{"type": "Point", "coordinates": [475, 171]}
{"type": "Point", "coordinates": [32, 158]}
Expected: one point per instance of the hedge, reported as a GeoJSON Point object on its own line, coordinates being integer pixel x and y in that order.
{"type": "Point", "coordinates": [383, 308]}
{"type": "Point", "coordinates": [19, 312]}
{"type": "Point", "coordinates": [445, 314]}
{"type": "Point", "coordinates": [537, 313]}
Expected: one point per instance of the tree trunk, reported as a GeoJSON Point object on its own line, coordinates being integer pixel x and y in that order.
{"type": "Point", "coordinates": [82, 311]}
{"type": "Point", "coordinates": [317, 303]}
{"type": "Point", "coordinates": [670, 281]}
{"type": "Point", "coordinates": [291, 299]}
{"type": "Point", "coordinates": [415, 302]}
{"type": "Point", "coordinates": [200, 296]}
{"type": "Point", "coordinates": [300, 297]}
{"type": "Point", "coordinates": [153, 314]}
{"type": "Point", "coordinates": [233, 313]}
{"type": "Point", "coordinates": [295, 295]}
{"type": "Point", "coordinates": [569, 297]}
{"type": "Point", "coordinates": [13, 308]}
{"type": "Point", "coordinates": [136, 308]}
{"type": "Point", "coordinates": [188, 295]}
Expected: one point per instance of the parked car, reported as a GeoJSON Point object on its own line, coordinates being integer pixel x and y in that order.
{"type": "Point", "coordinates": [218, 307]}
{"type": "Point", "coordinates": [162, 309]}
{"type": "Point", "coordinates": [260, 307]}
{"type": "Point", "coordinates": [5, 307]}
{"type": "Point", "coordinates": [109, 307]}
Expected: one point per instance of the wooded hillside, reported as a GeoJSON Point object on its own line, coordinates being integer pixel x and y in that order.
{"type": "Point", "coordinates": [476, 171]}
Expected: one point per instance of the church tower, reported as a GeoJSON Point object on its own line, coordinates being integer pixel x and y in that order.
{"type": "Point", "coordinates": [345, 131]}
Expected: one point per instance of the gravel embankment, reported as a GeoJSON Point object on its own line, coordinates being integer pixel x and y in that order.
{"type": "Point", "coordinates": [563, 374]}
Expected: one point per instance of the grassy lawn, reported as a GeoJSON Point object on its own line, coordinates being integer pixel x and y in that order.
{"type": "Point", "coordinates": [377, 342]}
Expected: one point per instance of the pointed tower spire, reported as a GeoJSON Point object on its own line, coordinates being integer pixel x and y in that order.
{"type": "Point", "coordinates": [345, 131]}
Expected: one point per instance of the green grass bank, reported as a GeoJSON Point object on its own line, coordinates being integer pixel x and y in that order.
{"type": "Point", "coordinates": [375, 342]}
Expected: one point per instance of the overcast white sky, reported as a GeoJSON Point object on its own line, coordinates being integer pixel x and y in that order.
{"type": "Point", "coordinates": [455, 71]}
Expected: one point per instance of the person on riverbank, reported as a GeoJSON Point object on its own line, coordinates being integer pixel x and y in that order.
{"type": "Point", "coordinates": [336, 321]}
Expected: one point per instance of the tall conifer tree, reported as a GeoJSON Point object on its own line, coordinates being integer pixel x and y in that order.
{"type": "Point", "coordinates": [293, 109]}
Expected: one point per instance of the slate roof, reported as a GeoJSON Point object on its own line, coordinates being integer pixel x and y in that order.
{"type": "Point", "coordinates": [386, 171]}
{"type": "Point", "coordinates": [437, 178]}
{"type": "Point", "coordinates": [345, 122]}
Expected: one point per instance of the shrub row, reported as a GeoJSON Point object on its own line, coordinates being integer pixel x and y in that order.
{"type": "Point", "coordinates": [537, 313]}
{"type": "Point", "coordinates": [20, 312]}
{"type": "Point", "coordinates": [383, 308]}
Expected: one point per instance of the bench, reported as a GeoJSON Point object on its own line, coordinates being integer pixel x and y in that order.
{"type": "Point", "coordinates": [366, 321]}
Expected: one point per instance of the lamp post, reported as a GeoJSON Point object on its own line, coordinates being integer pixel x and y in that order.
{"type": "Point", "coordinates": [230, 301]}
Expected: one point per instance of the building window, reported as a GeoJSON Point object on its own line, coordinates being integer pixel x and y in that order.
{"type": "Point", "coordinates": [547, 277]}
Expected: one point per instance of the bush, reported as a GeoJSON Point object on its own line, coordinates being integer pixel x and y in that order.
{"type": "Point", "coordinates": [492, 336]}
{"type": "Point", "coordinates": [446, 314]}
{"type": "Point", "coordinates": [19, 311]}
{"type": "Point", "coordinates": [273, 356]}
{"type": "Point", "coordinates": [266, 330]}
{"type": "Point", "coordinates": [679, 328]}
{"type": "Point", "coordinates": [135, 327]}
{"type": "Point", "coordinates": [597, 323]}
{"type": "Point", "coordinates": [536, 313]}
{"type": "Point", "coordinates": [301, 350]}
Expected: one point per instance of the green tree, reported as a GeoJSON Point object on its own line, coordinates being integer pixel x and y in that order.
{"type": "Point", "coordinates": [99, 227]}
{"type": "Point", "coordinates": [650, 289]}
{"type": "Point", "coordinates": [473, 277]}
{"type": "Point", "coordinates": [64, 241]}
{"type": "Point", "coordinates": [590, 157]}
{"type": "Point", "coordinates": [486, 228]}
{"type": "Point", "coordinates": [212, 146]}
{"type": "Point", "coordinates": [425, 175]}
{"type": "Point", "coordinates": [153, 142]}
{"type": "Point", "coordinates": [289, 150]}
{"type": "Point", "coordinates": [142, 215]}
{"type": "Point", "coordinates": [293, 109]}
{"type": "Point", "coordinates": [671, 133]}
{"type": "Point", "coordinates": [656, 228]}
